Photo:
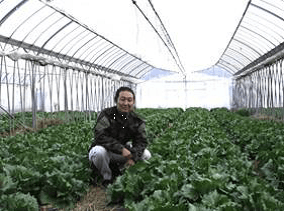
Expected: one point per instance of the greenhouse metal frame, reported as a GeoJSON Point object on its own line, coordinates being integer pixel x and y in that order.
{"type": "Point", "coordinates": [254, 56]}
{"type": "Point", "coordinates": [48, 56]}
{"type": "Point", "coordinates": [57, 74]}
{"type": "Point", "coordinates": [51, 62]}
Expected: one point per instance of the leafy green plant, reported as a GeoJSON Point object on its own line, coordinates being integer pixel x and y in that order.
{"type": "Point", "coordinates": [243, 112]}
{"type": "Point", "coordinates": [18, 201]}
{"type": "Point", "coordinates": [51, 165]}
{"type": "Point", "coordinates": [196, 166]}
{"type": "Point", "coordinates": [201, 160]}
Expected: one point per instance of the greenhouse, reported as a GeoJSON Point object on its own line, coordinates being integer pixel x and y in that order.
{"type": "Point", "coordinates": [214, 129]}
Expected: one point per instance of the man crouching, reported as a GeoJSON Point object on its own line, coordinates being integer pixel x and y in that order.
{"type": "Point", "coordinates": [120, 137]}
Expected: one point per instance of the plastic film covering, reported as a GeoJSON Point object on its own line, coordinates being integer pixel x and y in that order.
{"type": "Point", "coordinates": [258, 39]}
{"type": "Point", "coordinates": [34, 30]}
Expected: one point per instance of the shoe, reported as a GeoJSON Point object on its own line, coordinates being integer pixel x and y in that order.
{"type": "Point", "coordinates": [116, 169]}
{"type": "Point", "coordinates": [105, 183]}
{"type": "Point", "coordinates": [95, 178]}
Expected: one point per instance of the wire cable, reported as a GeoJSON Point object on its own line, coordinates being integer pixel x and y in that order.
{"type": "Point", "coordinates": [167, 35]}
{"type": "Point", "coordinates": [175, 56]}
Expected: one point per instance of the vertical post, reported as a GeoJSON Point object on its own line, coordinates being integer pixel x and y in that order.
{"type": "Point", "coordinates": [33, 93]}
{"type": "Point", "coordinates": [88, 113]}
{"type": "Point", "coordinates": [42, 91]}
{"type": "Point", "coordinates": [20, 87]}
{"type": "Point", "coordinates": [65, 94]}
{"type": "Point", "coordinates": [7, 86]}
{"type": "Point", "coordinates": [282, 82]}
{"type": "Point", "coordinates": [1, 68]}
{"type": "Point", "coordinates": [13, 89]}
{"type": "Point", "coordinates": [71, 89]}
{"type": "Point", "coordinates": [258, 96]}
{"type": "Point", "coordinates": [103, 94]}
{"type": "Point", "coordinates": [50, 80]}
{"type": "Point", "coordinates": [185, 92]}
{"type": "Point", "coordinates": [65, 89]}
{"type": "Point", "coordinates": [26, 84]}
{"type": "Point", "coordinates": [58, 80]}
{"type": "Point", "coordinates": [82, 91]}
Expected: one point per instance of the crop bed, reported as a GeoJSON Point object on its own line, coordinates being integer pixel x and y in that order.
{"type": "Point", "coordinates": [201, 160]}
{"type": "Point", "coordinates": [214, 160]}
{"type": "Point", "coordinates": [48, 166]}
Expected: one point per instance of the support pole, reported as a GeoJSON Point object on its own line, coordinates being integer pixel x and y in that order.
{"type": "Point", "coordinates": [185, 92]}
{"type": "Point", "coordinates": [33, 93]}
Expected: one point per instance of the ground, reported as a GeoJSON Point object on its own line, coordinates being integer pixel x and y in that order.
{"type": "Point", "coordinates": [94, 200]}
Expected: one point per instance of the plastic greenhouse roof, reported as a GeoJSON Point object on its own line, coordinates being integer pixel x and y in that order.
{"type": "Point", "coordinates": [35, 30]}
{"type": "Point", "coordinates": [258, 39]}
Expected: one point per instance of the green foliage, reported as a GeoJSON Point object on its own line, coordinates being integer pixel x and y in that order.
{"type": "Point", "coordinates": [201, 160]}
{"type": "Point", "coordinates": [18, 202]}
{"type": "Point", "coordinates": [261, 141]}
{"type": "Point", "coordinates": [157, 120]}
{"type": "Point", "coordinates": [243, 112]}
{"type": "Point", "coordinates": [197, 164]}
{"type": "Point", "coordinates": [275, 113]}
{"type": "Point", "coordinates": [50, 166]}
{"type": "Point", "coordinates": [17, 120]}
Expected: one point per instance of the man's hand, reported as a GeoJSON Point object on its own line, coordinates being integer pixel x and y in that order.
{"type": "Point", "coordinates": [126, 153]}
{"type": "Point", "coordinates": [130, 162]}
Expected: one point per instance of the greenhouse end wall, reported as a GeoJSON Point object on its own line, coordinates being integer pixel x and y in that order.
{"type": "Point", "coordinates": [199, 91]}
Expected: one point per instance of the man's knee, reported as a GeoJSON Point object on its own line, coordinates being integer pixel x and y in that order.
{"type": "Point", "coordinates": [100, 158]}
{"type": "Point", "coordinates": [97, 152]}
{"type": "Point", "coordinates": [146, 155]}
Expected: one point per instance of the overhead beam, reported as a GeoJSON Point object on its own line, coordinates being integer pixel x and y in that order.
{"type": "Point", "coordinates": [265, 59]}
{"type": "Point", "coordinates": [64, 57]}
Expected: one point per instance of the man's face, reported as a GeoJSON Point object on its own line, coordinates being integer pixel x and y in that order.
{"type": "Point", "coordinates": [125, 101]}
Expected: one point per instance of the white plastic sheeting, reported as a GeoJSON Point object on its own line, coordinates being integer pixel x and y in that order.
{"type": "Point", "coordinates": [197, 90]}
{"type": "Point", "coordinates": [259, 36]}
{"type": "Point", "coordinates": [200, 30]}
{"type": "Point", "coordinates": [33, 29]}
{"type": "Point", "coordinates": [40, 35]}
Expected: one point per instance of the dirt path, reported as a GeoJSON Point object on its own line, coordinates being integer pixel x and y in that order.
{"type": "Point", "coordinates": [96, 200]}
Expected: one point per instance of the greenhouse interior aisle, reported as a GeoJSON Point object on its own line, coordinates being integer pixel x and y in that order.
{"type": "Point", "coordinates": [214, 129]}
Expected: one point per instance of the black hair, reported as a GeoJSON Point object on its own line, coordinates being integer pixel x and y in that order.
{"type": "Point", "coordinates": [121, 89]}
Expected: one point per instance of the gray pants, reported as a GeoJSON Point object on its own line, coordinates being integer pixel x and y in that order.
{"type": "Point", "coordinates": [101, 158]}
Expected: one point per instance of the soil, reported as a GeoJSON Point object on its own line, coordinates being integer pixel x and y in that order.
{"type": "Point", "coordinates": [94, 200]}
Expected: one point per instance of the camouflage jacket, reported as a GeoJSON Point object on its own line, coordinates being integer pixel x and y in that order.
{"type": "Point", "coordinates": [114, 129]}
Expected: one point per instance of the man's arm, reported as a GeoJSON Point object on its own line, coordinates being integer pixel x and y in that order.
{"type": "Point", "coordinates": [139, 142]}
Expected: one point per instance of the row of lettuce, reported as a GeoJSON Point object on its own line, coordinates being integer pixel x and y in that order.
{"type": "Point", "coordinates": [22, 120]}
{"type": "Point", "coordinates": [16, 121]}
{"type": "Point", "coordinates": [201, 160]}
{"type": "Point", "coordinates": [276, 113]}
{"type": "Point", "coordinates": [209, 160]}
{"type": "Point", "coordinates": [51, 166]}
